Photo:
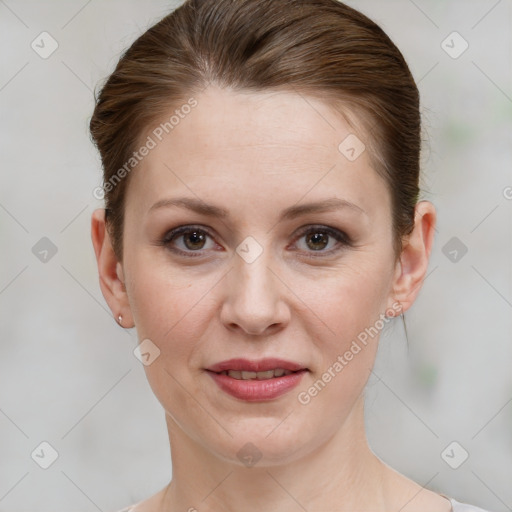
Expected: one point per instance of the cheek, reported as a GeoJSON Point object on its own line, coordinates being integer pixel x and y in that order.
{"type": "Point", "coordinates": [354, 298]}
{"type": "Point", "coordinates": [170, 311]}
{"type": "Point", "coordinates": [353, 307]}
{"type": "Point", "coordinates": [164, 300]}
{"type": "Point", "coordinates": [354, 312]}
{"type": "Point", "coordinates": [173, 308]}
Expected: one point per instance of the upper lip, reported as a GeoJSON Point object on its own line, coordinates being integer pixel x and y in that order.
{"type": "Point", "coordinates": [260, 365]}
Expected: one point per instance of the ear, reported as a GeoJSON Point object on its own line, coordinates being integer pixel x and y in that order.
{"type": "Point", "coordinates": [110, 270]}
{"type": "Point", "coordinates": [412, 266]}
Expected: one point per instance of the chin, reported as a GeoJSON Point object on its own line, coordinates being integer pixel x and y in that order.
{"type": "Point", "coordinates": [261, 446]}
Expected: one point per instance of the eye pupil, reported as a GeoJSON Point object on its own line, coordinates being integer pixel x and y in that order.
{"type": "Point", "coordinates": [195, 236]}
{"type": "Point", "coordinates": [317, 239]}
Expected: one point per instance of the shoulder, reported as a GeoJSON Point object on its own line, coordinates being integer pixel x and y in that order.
{"type": "Point", "coordinates": [465, 507]}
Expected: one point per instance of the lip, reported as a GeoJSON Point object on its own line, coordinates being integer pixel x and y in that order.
{"type": "Point", "coordinates": [257, 390]}
{"type": "Point", "coordinates": [261, 365]}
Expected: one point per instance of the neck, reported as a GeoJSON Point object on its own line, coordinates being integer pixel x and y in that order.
{"type": "Point", "coordinates": [342, 474]}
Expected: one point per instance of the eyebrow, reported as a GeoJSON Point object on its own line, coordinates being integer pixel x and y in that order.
{"type": "Point", "coordinates": [210, 210]}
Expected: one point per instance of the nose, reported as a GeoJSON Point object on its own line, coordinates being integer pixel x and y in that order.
{"type": "Point", "coordinates": [254, 300]}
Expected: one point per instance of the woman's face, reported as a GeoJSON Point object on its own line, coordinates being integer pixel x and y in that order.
{"type": "Point", "coordinates": [272, 278]}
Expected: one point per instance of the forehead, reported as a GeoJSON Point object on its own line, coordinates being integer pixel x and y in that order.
{"type": "Point", "coordinates": [227, 120]}
{"type": "Point", "coordinates": [259, 144]}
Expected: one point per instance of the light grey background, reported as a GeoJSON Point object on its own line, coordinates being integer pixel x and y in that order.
{"type": "Point", "coordinates": [68, 375]}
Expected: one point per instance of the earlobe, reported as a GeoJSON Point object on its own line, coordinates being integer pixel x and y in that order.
{"type": "Point", "coordinates": [110, 270]}
{"type": "Point", "coordinates": [412, 267]}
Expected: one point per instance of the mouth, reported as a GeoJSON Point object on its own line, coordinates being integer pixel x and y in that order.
{"type": "Point", "coordinates": [246, 375]}
{"type": "Point", "coordinates": [257, 381]}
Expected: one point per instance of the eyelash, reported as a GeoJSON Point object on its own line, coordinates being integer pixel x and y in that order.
{"type": "Point", "coordinates": [342, 238]}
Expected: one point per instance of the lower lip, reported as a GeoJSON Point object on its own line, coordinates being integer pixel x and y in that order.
{"type": "Point", "coordinates": [257, 390]}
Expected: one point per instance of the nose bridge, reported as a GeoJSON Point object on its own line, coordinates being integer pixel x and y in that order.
{"type": "Point", "coordinates": [252, 269]}
{"type": "Point", "coordinates": [253, 300]}
{"type": "Point", "coordinates": [252, 274]}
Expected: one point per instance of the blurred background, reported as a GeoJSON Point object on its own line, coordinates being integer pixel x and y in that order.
{"type": "Point", "coordinates": [80, 429]}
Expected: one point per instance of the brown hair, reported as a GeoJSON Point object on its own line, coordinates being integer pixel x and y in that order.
{"type": "Point", "coordinates": [318, 47]}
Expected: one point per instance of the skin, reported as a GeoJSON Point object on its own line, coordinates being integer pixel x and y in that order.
{"type": "Point", "coordinates": [256, 154]}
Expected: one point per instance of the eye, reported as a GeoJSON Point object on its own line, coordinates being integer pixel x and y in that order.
{"type": "Point", "coordinates": [186, 240]}
{"type": "Point", "coordinates": [317, 238]}
{"type": "Point", "coordinates": [192, 238]}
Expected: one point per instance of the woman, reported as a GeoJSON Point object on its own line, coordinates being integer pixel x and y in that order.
{"type": "Point", "coordinates": [262, 226]}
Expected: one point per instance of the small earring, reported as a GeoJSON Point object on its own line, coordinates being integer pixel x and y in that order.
{"type": "Point", "coordinates": [394, 313]}
{"type": "Point", "coordinates": [119, 320]}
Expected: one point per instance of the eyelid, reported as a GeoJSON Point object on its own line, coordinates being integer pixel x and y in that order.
{"type": "Point", "coordinates": [342, 238]}
{"type": "Point", "coordinates": [334, 232]}
{"type": "Point", "coordinates": [179, 231]}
